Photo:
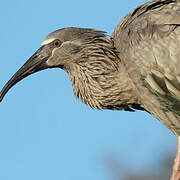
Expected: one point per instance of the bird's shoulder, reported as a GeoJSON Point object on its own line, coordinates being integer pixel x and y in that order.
{"type": "Point", "coordinates": [155, 18]}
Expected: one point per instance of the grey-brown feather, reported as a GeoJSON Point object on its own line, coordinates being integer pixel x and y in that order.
{"type": "Point", "coordinates": [148, 41]}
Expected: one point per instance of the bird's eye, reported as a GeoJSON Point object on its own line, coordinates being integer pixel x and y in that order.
{"type": "Point", "coordinates": [57, 43]}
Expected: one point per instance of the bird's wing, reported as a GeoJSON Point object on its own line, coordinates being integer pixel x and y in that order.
{"type": "Point", "coordinates": [148, 41]}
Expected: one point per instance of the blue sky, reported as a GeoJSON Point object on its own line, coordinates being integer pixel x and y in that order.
{"type": "Point", "coordinates": [46, 133]}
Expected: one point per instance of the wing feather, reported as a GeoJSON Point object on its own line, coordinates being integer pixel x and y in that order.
{"type": "Point", "coordinates": [148, 41]}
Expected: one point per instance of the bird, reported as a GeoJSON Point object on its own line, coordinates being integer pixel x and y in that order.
{"type": "Point", "coordinates": [136, 68]}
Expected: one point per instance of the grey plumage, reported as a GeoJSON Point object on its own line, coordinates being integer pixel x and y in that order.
{"type": "Point", "coordinates": [148, 41]}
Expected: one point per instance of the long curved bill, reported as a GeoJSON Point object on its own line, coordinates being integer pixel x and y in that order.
{"type": "Point", "coordinates": [34, 64]}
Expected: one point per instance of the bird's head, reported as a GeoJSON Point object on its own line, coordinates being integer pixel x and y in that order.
{"type": "Point", "coordinates": [61, 49]}
{"type": "Point", "coordinates": [66, 45]}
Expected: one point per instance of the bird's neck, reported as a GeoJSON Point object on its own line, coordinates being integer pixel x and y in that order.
{"type": "Point", "coordinates": [101, 81]}
{"type": "Point", "coordinates": [106, 87]}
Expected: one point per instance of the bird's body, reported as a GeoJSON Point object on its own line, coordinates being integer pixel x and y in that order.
{"type": "Point", "coordinates": [137, 68]}
{"type": "Point", "coordinates": [148, 42]}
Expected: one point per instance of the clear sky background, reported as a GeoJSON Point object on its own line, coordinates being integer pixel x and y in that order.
{"type": "Point", "coordinates": [45, 132]}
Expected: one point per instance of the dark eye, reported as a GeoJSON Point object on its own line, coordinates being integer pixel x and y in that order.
{"type": "Point", "coordinates": [57, 43]}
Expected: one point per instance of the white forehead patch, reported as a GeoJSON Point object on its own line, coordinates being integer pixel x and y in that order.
{"type": "Point", "coordinates": [47, 41]}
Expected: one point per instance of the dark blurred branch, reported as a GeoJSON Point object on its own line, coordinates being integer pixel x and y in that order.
{"type": "Point", "coordinates": [120, 171]}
